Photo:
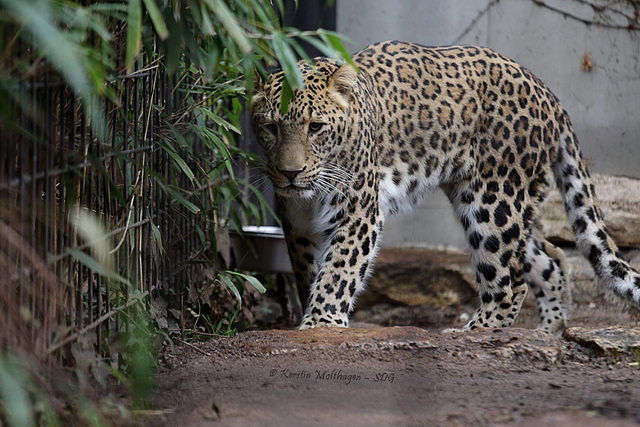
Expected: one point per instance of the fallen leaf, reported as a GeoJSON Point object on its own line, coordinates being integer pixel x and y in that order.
{"type": "Point", "coordinates": [586, 62]}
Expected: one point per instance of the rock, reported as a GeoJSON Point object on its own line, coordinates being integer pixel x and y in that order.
{"type": "Point", "coordinates": [516, 344]}
{"type": "Point", "coordinates": [275, 341]}
{"type": "Point", "coordinates": [612, 340]}
{"type": "Point", "coordinates": [592, 298]}
{"type": "Point", "coordinates": [571, 418]}
{"type": "Point", "coordinates": [435, 289]}
{"type": "Point", "coordinates": [619, 202]}
{"type": "Point", "coordinates": [420, 277]}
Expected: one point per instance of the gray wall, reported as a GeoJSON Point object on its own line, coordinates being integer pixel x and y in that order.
{"type": "Point", "coordinates": [604, 103]}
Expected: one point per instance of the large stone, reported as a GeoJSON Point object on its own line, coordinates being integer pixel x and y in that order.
{"type": "Point", "coordinates": [435, 288]}
{"type": "Point", "coordinates": [612, 340]}
{"type": "Point", "coordinates": [619, 199]}
{"type": "Point", "coordinates": [420, 277]}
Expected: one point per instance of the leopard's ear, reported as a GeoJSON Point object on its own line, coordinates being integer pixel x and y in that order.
{"type": "Point", "coordinates": [258, 89]}
{"type": "Point", "coordinates": [342, 84]}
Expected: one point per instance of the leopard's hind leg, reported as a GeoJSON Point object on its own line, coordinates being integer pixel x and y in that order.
{"type": "Point", "coordinates": [545, 273]}
{"type": "Point", "coordinates": [497, 242]}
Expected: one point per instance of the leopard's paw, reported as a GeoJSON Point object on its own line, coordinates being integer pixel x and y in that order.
{"type": "Point", "coordinates": [309, 322]}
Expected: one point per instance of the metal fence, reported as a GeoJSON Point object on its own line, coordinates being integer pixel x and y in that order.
{"type": "Point", "coordinates": [51, 166]}
{"type": "Point", "coordinates": [52, 289]}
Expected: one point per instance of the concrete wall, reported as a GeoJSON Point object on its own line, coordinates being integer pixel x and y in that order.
{"type": "Point", "coordinates": [604, 103]}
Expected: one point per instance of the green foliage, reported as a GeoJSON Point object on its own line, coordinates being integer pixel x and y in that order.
{"type": "Point", "coordinates": [211, 49]}
{"type": "Point", "coordinates": [229, 37]}
{"type": "Point", "coordinates": [59, 33]}
{"type": "Point", "coordinates": [25, 400]}
{"type": "Point", "coordinates": [18, 408]}
{"type": "Point", "coordinates": [140, 356]}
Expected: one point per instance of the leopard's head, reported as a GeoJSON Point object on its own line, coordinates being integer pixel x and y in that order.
{"type": "Point", "coordinates": [302, 145]}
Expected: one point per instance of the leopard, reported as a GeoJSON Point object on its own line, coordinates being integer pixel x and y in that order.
{"type": "Point", "coordinates": [369, 138]}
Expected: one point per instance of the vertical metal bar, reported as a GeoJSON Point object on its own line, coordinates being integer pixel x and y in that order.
{"type": "Point", "coordinates": [150, 184]}
{"type": "Point", "coordinates": [59, 221]}
{"type": "Point", "coordinates": [131, 250]}
{"type": "Point", "coordinates": [146, 196]}
{"type": "Point", "coordinates": [162, 197]}
{"type": "Point", "coordinates": [31, 206]}
{"type": "Point", "coordinates": [22, 166]}
{"type": "Point", "coordinates": [68, 135]}
{"type": "Point", "coordinates": [125, 181]}
{"type": "Point", "coordinates": [11, 157]}
{"type": "Point", "coordinates": [139, 202]}
{"type": "Point", "coordinates": [171, 228]}
{"type": "Point", "coordinates": [112, 204]}
{"type": "Point", "coordinates": [49, 297]}
{"type": "Point", "coordinates": [80, 202]}
{"type": "Point", "coordinates": [89, 182]}
{"type": "Point", "coordinates": [102, 210]}
{"type": "Point", "coordinates": [157, 205]}
{"type": "Point", "coordinates": [6, 134]}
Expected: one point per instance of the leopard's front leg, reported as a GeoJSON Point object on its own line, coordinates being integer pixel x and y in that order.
{"type": "Point", "coordinates": [344, 265]}
{"type": "Point", "coordinates": [303, 248]}
{"type": "Point", "coordinates": [346, 238]}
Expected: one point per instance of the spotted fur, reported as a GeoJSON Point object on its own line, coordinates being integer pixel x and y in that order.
{"type": "Point", "coordinates": [356, 146]}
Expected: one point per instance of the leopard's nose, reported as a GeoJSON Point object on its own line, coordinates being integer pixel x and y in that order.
{"type": "Point", "coordinates": [291, 174]}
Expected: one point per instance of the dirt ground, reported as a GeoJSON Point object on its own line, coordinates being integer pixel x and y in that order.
{"type": "Point", "coordinates": [395, 376]}
{"type": "Point", "coordinates": [403, 375]}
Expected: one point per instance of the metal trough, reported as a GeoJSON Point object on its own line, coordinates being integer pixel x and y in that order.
{"type": "Point", "coordinates": [260, 249]}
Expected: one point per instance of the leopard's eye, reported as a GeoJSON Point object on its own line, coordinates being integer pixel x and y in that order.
{"type": "Point", "coordinates": [272, 128]}
{"type": "Point", "coordinates": [315, 127]}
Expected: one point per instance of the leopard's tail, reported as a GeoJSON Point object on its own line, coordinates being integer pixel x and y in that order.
{"type": "Point", "coordinates": [592, 237]}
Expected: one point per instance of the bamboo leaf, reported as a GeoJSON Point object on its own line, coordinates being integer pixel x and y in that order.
{"type": "Point", "coordinates": [264, 206]}
{"type": "Point", "coordinates": [288, 60]}
{"type": "Point", "coordinates": [14, 386]}
{"type": "Point", "coordinates": [156, 19]}
{"type": "Point", "coordinates": [182, 200]}
{"type": "Point", "coordinates": [266, 12]}
{"type": "Point", "coordinates": [335, 41]}
{"type": "Point", "coordinates": [219, 120]}
{"type": "Point", "coordinates": [157, 236]}
{"type": "Point", "coordinates": [207, 26]}
{"type": "Point", "coordinates": [98, 267]}
{"type": "Point", "coordinates": [214, 142]}
{"type": "Point", "coordinates": [326, 49]}
{"type": "Point", "coordinates": [179, 161]}
{"type": "Point", "coordinates": [230, 24]}
{"type": "Point", "coordinates": [134, 32]}
{"type": "Point", "coordinates": [252, 280]}
{"type": "Point", "coordinates": [201, 235]}
{"type": "Point", "coordinates": [297, 48]}
{"type": "Point", "coordinates": [232, 287]}
{"type": "Point", "coordinates": [179, 137]}
{"type": "Point", "coordinates": [287, 95]}
{"type": "Point", "coordinates": [58, 47]}
{"type": "Point", "coordinates": [173, 45]}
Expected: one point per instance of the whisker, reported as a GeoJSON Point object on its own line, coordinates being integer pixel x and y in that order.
{"type": "Point", "coordinates": [259, 179]}
{"type": "Point", "coordinates": [342, 171]}
{"type": "Point", "coordinates": [327, 186]}
{"type": "Point", "coordinates": [335, 181]}
{"type": "Point", "coordinates": [338, 173]}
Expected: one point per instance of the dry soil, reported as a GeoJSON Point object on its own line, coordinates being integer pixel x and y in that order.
{"type": "Point", "coordinates": [407, 375]}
